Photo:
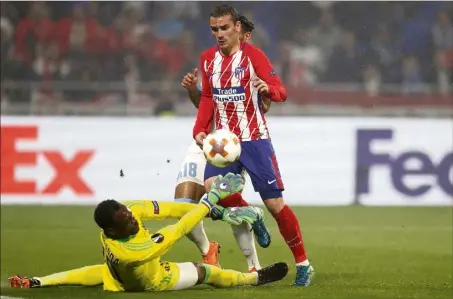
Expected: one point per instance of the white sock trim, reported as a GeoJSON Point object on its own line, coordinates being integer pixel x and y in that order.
{"type": "Point", "coordinates": [246, 242]}
{"type": "Point", "coordinates": [304, 263]}
{"type": "Point", "coordinates": [199, 237]}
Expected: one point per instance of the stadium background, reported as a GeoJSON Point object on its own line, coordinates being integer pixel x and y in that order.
{"type": "Point", "coordinates": [92, 88]}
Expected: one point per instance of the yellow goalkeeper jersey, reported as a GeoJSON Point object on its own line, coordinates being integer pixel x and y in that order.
{"type": "Point", "coordinates": [134, 264]}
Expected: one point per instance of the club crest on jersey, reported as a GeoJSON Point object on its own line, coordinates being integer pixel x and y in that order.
{"type": "Point", "coordinates": [239, 72]}
{"type": "Point", "coordinates": [229, 94]}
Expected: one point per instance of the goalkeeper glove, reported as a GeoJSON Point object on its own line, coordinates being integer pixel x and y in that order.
{"type": "Point", "coordinates": [236, 216]}
{"type": "Point", "coordinates": [222, 187]}
{"type": "Point", "coordinates": [217, 212]}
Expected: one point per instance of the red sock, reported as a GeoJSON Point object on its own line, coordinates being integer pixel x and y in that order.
{"type": "Point", "coordinates": [290, 230]}
{"type": "Point", "coordinates": [233, 201]}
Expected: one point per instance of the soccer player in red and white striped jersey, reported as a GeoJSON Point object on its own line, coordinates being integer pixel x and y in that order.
{"type": "Point", "coordinates": [190, 182]}
{"type": "Point", "coordinates": [235, 77]}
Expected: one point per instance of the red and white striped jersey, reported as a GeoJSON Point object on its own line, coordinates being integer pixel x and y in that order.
{"type": "Point", "coordinates": [229, 96]}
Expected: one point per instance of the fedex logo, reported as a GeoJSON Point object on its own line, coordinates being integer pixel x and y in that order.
{"type": "Point", "coordinates": [440, 171]}
{"type": "Point", "coordinates": [67, 170]}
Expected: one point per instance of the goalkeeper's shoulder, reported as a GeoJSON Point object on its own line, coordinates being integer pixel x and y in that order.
{"type": "Point", "coordinates": [143, 203]}
{"type": "Point", "coordinates": [142, 208]}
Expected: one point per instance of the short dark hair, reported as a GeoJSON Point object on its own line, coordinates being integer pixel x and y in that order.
{"type": "Point", "coordinates": [247, 25]}
{"type": "Point", "coordinates": [104, 213]}
{"type": "Point", "coordinates": [225, 10]}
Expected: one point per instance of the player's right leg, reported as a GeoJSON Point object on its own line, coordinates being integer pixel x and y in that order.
{"type": "Point", "coordinates": [190, 187]}
{"type": "Point", "coordinates": [85, 276]}
{"type": "Point", "coordinates": [192, 274]}
{"type": "Point", "coordinates": [259, 159]}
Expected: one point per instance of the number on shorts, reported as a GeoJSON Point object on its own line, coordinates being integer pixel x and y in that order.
{"type": "Point", "coordinates": [189, 169]}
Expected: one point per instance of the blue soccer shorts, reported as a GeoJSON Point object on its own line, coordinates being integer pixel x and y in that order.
{"type": "Point", "coordinates": [258, 159]}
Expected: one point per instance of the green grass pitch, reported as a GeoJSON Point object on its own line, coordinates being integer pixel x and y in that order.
{"type": "Point", "coordinates": [358, 252]}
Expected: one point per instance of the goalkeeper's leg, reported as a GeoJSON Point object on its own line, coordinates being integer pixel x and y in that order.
{"type": "Point", "coordinates": [85, 276]}
{"type": "Point", "coordinates": [192, 274]}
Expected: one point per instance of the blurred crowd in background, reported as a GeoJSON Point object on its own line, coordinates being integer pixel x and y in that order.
{"type": "Point", "coordinates": [135, 53]}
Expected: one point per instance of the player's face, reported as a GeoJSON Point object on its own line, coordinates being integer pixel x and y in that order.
{"type": "Point", "coordinates": [225, 31]}
{"type": "Point", "coordinates": [125, 223]}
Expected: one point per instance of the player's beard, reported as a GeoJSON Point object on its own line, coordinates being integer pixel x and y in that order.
{"type": "Point", "coordinates": [228, 43]}
{"type": "Point", "coordinates": [223, 44]}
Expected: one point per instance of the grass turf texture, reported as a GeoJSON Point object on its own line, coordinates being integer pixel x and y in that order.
{"type": "Point", "coordinates": [357, 252]}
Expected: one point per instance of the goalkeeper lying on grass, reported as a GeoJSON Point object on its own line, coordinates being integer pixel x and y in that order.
{"type": "Point", "coordinates": [132, 253]}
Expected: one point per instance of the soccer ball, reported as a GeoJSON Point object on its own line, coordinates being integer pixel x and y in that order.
{"type": "Point", "coordinates": [221, 148]}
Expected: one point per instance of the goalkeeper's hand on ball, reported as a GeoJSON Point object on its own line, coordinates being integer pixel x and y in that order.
{"type": "Point", "coordinates": [222, 187]}
{"type": "Point", "coordinates": [236, 216]}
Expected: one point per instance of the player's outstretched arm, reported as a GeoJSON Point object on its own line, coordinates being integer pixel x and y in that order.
{"type": "Point", "coordinates": [155, 210]}
{"type": "Point", "coordinates": [165, 238]}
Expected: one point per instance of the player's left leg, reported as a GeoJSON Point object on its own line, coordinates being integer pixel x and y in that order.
{"type": "Point", "coordinates": [86, 276]}
{"type": "Point", "coordinates": [192, 193]}
{"type": "Point", "coordinates": [263, 170]}
{"type": "Point", "coordinates": [244, 238]}
{"type": "Point", "coordinates": [192, 274]}
{"type": "Point", "coordinates": [190, 187]}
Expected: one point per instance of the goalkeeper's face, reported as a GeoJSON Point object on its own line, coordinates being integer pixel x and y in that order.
{"type": "Point", "coordinates": [125, 223]}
